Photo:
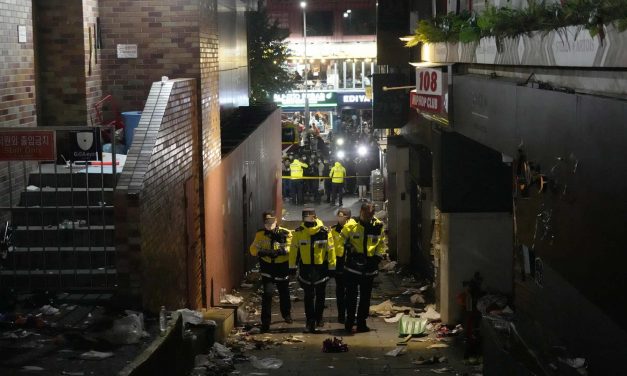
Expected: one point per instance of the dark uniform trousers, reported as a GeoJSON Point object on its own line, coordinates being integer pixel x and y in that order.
{"type": "Point", "coordinates": [337, 192]}
{"type": "Point", "coordinates": [355, 284]}
{"type": "Point", "coordinates": [266, 299]}
{"type": "Point", "coordinates": [314, 300]}
{"type": "Point", "coordinates": [340, 294]}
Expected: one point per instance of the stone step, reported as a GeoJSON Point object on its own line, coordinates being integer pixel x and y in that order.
{"type": "Point", "coordinates": [67, 197]}
{"type": "Point", "coordinates": [59, 279]}
{"type": "Point", "coordinates": [53, 236]}
{"type": "Point", "coordinates": [61, 258]}
{"type": "Point", "coordinates": [75, 179]}
{"type": "Point", "coordinates": [53, 215]}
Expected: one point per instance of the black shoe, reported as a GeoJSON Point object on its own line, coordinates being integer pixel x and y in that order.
{"type": "Point", "coordinates": [265, 328]}
{"type": "Point", "coordinates": [288, 319]}
{"type": "Point", "coordinates": [320, 323]}
{"type": "Point", "coordinates": [362, 328]}
{"type": "Point", "coordinates": [311, 326]}
{"type": "Point", "coordinates": [341, 319]}
{"type": "Point", "coordinates": [348, 328]}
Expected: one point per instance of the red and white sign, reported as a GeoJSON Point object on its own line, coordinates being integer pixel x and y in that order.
{"type": "Point", "coordinates": [20, 145]}
{"type": "Point", "coordinates": [426, 103]}
{"type": "Point", "coordinates": [429, 81]}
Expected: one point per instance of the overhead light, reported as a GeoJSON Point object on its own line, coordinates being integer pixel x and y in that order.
{"type": "Point", "coordinates": [349, 11]}
{"type": "Point", "coordinates": [340, 154]}
{"type": "Point", "coordinates": [362, 150]}
{"type": "Point", "coordinates": [303, 4]}
{"type": "Point", "coordinates": [345, 15]}
{"type": "Point", "coordinates": [339, 141]}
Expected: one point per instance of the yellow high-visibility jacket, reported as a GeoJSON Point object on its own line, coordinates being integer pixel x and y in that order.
{"type": "Point", "coordinates": [277, 243]}
{"type": "Point", "coordinates": [312, 252]}
{"type": "Point", "coordinates": [337, 174]}
{"type": "Point", "coordinates": [296, 169]}
{"type": "Point", "coordinates": [338, 240]}
{"type": "Point", "coordinates": [365, 239]}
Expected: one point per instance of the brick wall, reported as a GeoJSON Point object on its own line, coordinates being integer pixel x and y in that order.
{"type": "Point", "coordinates": [156, 258]}
{"type": "Point", "coordinates": [166, 35]}
{"type": "Point", "coordinates": [60, 60]}
{"type": "Point", "coordinates": [17, 84]}
{"type": "Point", "coordinates": [93, 58]}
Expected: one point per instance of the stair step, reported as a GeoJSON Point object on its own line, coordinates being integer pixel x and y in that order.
{"type": "Point", "coordinates": [63, 249]}
{"type": "Point", "coordinates": [59, 279]}
{"type": "Point", "coordinates": [53, 236]}
{"type": "Point", "coordinates": [4, 272]}
{"type": "Point", "coordinates": [66, 197]}
{"type": "Point", "coordinates": [63, 178]}
{"type": "Point", "coordinates": [35, 216]}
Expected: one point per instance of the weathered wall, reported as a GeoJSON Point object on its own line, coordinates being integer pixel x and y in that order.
{"type": "Point", "coordinates": [17, 84]}
{"type": "Point", "coordinates": [93, 58]}
{"type": "Point", "coordinates": [60, 62]}
{"type": "Point", "coordinates": [157, 260]}
{"type": "Point", "coordinates": [257, 161]}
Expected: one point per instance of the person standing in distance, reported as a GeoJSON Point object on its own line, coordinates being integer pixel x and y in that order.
{"type": "Point", "coordinates": [272, 245]}
{"type": "Point", "coordinates": [312, 252]}
{"type": "Point", "coordinates": [343, 220]}
{"type": "Point", "coordinates": [296, 175]}
{"type": "Point", "coordinates": [337, 174]}
{"type": "Point", "coordinates": [364, 249]}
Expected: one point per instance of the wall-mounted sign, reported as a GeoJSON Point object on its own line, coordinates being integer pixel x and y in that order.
{"type": "Point", "coordinates": [127, 51]}
{"type": "Point", "coordinates": [21, 34]}
{"type": "Point", "coordinates": [85, 146]}
{"type": "Point", "coordinates": [357, 99]}
{"type": "Point", "coordinates": [429, 81]}
{"type": "Point", "coordinates": [32, 145]}
{"type": "Point", "coordinates": [297, 99]}
{"type": "Point", "coordinates": [427, 103]}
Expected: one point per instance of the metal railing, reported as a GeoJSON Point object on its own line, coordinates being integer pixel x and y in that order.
{"type": "Point", "coordinates": [60, 226]}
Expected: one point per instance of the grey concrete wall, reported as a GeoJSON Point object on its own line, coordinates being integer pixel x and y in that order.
{"type": "Point", "coordinates": [474, 242]}
{"type": "Point", "coordinates": [399, 222]}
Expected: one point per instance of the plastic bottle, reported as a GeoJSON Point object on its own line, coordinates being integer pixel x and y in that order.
{"type": "Point", "coordinates": [162, 320]}
{"type": "Point", "coordinates": [222, 295]}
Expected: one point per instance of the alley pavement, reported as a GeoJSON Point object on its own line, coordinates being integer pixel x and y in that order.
{"type": "Point", "coordinates": [366, 351]}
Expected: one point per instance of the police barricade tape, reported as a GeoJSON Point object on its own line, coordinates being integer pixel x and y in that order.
{"type": "Point", "coordinates": [322, 177]}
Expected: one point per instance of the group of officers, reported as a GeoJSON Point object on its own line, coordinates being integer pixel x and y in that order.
{"type": "Point", "coordinates": [349, 251]}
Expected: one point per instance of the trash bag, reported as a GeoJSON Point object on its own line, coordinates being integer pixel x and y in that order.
{"type": "Point", "coordinates": [126, 331]}
{"type": "Point", "coordinates": [266, 363]}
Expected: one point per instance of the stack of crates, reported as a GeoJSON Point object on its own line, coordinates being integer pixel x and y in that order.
{"type": "Point", "coordinates": [376, 186]}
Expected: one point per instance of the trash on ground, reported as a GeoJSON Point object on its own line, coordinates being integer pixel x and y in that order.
{"type": "Point", "coordinates": [266, 363]}
{"type": "Point", "coordinates": [442, 330]}
{"type": "Point", "coordinates": [293, 339]}
{"type": "Point", "coordinates": [95, 355]}
{"type": "Point", "coordinates": [232, 299]}
{"type": "Point", "coordinates": [191, 317]}
{"type": "Point", "coordinates": [366, 358]}
{"type": "Point", "coordinates": [394, 318]}
{"type": "Point", "coordinates": [221, 351]}
{"type": "Point", "coordinates": [387, 309]}
{"type": "Point", "coordinates": [491, 302]}
{"type": "Point", "coordinates": [68, 373]}
{"type": "Point", "coordinates": [32, 368]}
{"type": "Point", "coordinates": [410, 325]}
{"type": "Point", "coordinates": [438, 346]}
{"type": "Point", "coordinates": [574, 362]}
{"type": "Point", "coordinates": [125, 331]}
{"type": "Point", "coordinates": [32, 188]}
{"type": "Point", "coordinates": [387, 265]}
{"type": "Point", "coordinates": [254, 331]}
{"type": "Point", "coordinates": [258, 374]}
{"type": "Point", "coordinates": [417, 299]}
{"type": "Point", "coordinates": [442, 370]}
{"type": "Point", "coordinates": [49, 310]}
{"type": "Point", "coordinates": [431, 314]}
{"type": "Point", "coordinates": [242, 315]}
{"type": "Point", "coordinates": [334, 345]}
{"type": "Point", "coordinates": [399, 350]}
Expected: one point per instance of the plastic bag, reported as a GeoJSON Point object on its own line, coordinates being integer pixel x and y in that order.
{"type": "Point", "coordinates": [410, 325]}
{"type": "Point", "coordinates": [266, 363]}
{"type": "Point", "coordinates": [125, 331]}
{"type": "Point", "coordinates": [191, 317]}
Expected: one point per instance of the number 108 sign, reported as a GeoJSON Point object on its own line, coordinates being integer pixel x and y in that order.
{"type": "Point", "coordinates": [429, 81]}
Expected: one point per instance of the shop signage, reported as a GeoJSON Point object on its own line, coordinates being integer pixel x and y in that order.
{"type": "Point", "coordinates": [316, 99]}
{"type": "Point", "coordinates": [427, 103]}
{"type": "Point", "coordinates": [351, 98]}
{"type": "Point", "coordinates": [32, 145]}
{"type": "Point", "coordinates": [429, 81]}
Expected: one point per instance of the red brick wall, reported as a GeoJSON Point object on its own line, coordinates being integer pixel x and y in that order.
{"type": "Point", "coordinates": [17, 66]}
{"type": "Point", "coordinates": [17, 84]}
{"type": "Point", "coordinates": [156, 260]}
{"type": "Point", "coordinates": [60, 60]}
{"type": "Point", "coordinates": [166, 35]}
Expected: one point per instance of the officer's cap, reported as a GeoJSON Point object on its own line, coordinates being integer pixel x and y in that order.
{"type": "Point", "coordinates": [344, 212]}
{"type": "Point", "coordinates": [268, 214]}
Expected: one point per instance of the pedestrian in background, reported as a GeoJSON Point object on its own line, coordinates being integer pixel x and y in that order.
{"type": "Point", "coordinates": [296, 175]}
{"type": "Point", "coordinates": [337, 175]}
{"type": "Point", "coordinates": [343, 220]}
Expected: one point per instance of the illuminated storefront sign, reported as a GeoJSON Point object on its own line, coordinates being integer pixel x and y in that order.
{"type": "Point", "coordinates": [316, 99]}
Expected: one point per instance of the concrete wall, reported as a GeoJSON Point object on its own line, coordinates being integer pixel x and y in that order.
{"type": "Point", "coordinates": [472, 242]}
{"type": "Point", "coordinates": [399, 221]}
{"type": "Point", "coordinates": [157, 220]}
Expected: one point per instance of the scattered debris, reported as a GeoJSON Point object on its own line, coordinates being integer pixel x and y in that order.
{"type": "Point", "coordinates": [334, 345]}
{"type": "Point", "coordinates": [442, 370]}
{"type": "Point", "coordinates": [49, 310]}
{"type": "Point", "coordinates": [394, 318]}
{"type": "Point", "coordinates": [266, 363]}
{"type": "Point", "coordinates": [32, 368]}
{"type": "Point", "coordinates": [366, 358]}
{"type": "Point", "coordinates": [387, 309]}
{"type": "Point", "coordinates": [491, 302]}
{"type": "Point", "coordinates": [438, 346]}
{"type": "Point", "coordinates": [431, 314]}
{"type": "Point", "coordinates": [574, 362]}
{"type": "Point", "coordinates": [95, 355]}
{"type": "Point", "coordinates": [293, 339]}
{"type": "Point", "coordinates": [432, 360]}
{"type": "Point", "coordinates": [191, 317]}
{"type": "Point", "coordinates": [68, 373]}
{"type": "Point", "coordinates": [410, 325]}
{"type": "Point", "coordinates": [32, 188]}
{"type": "Point", "coordinates": [232, 299]}
{"type": "Point", "coordinates": [399, 350]}
{"type": "Point", "coordinates": [126, 331]}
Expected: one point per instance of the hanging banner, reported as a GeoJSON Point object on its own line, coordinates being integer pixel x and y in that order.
{"type": "Point", "coordinates": [27, 145]}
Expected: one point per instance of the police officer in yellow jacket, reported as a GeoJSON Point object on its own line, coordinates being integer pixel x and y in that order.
{"type": "Point", "coordinates": [364, 249]}
{"type": "Point", "coordinates": [337, 175]}
{"type": "Point", "coordinates": [272, 245]}
{"type": "Point", "coordinates": [296, 175]}
{"type": "Point", "coordinates": [313, 254]}
{"type": "Point", "coordinates": [343, 220]}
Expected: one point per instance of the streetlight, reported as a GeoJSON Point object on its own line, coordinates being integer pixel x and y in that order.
{"type": "Point", "coordinates": [303, 5]}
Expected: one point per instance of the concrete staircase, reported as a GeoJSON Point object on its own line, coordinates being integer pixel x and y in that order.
{"type": "Point", "coordinates": [63, 234]}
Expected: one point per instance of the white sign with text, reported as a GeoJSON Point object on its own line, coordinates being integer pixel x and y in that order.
{"type": "Point", "coordinates": [429, 81]}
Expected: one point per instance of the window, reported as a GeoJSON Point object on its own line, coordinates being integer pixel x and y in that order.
{"type": "Point", "coordinates": [360, 22]}
{"type": "Point", "coordinates": [320, 24]}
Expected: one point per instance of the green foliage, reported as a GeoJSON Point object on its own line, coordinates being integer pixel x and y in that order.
{"type": "Point", "coordinates": [505, 22]}
{"type": "Point", "coordinates": [267, 57]}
